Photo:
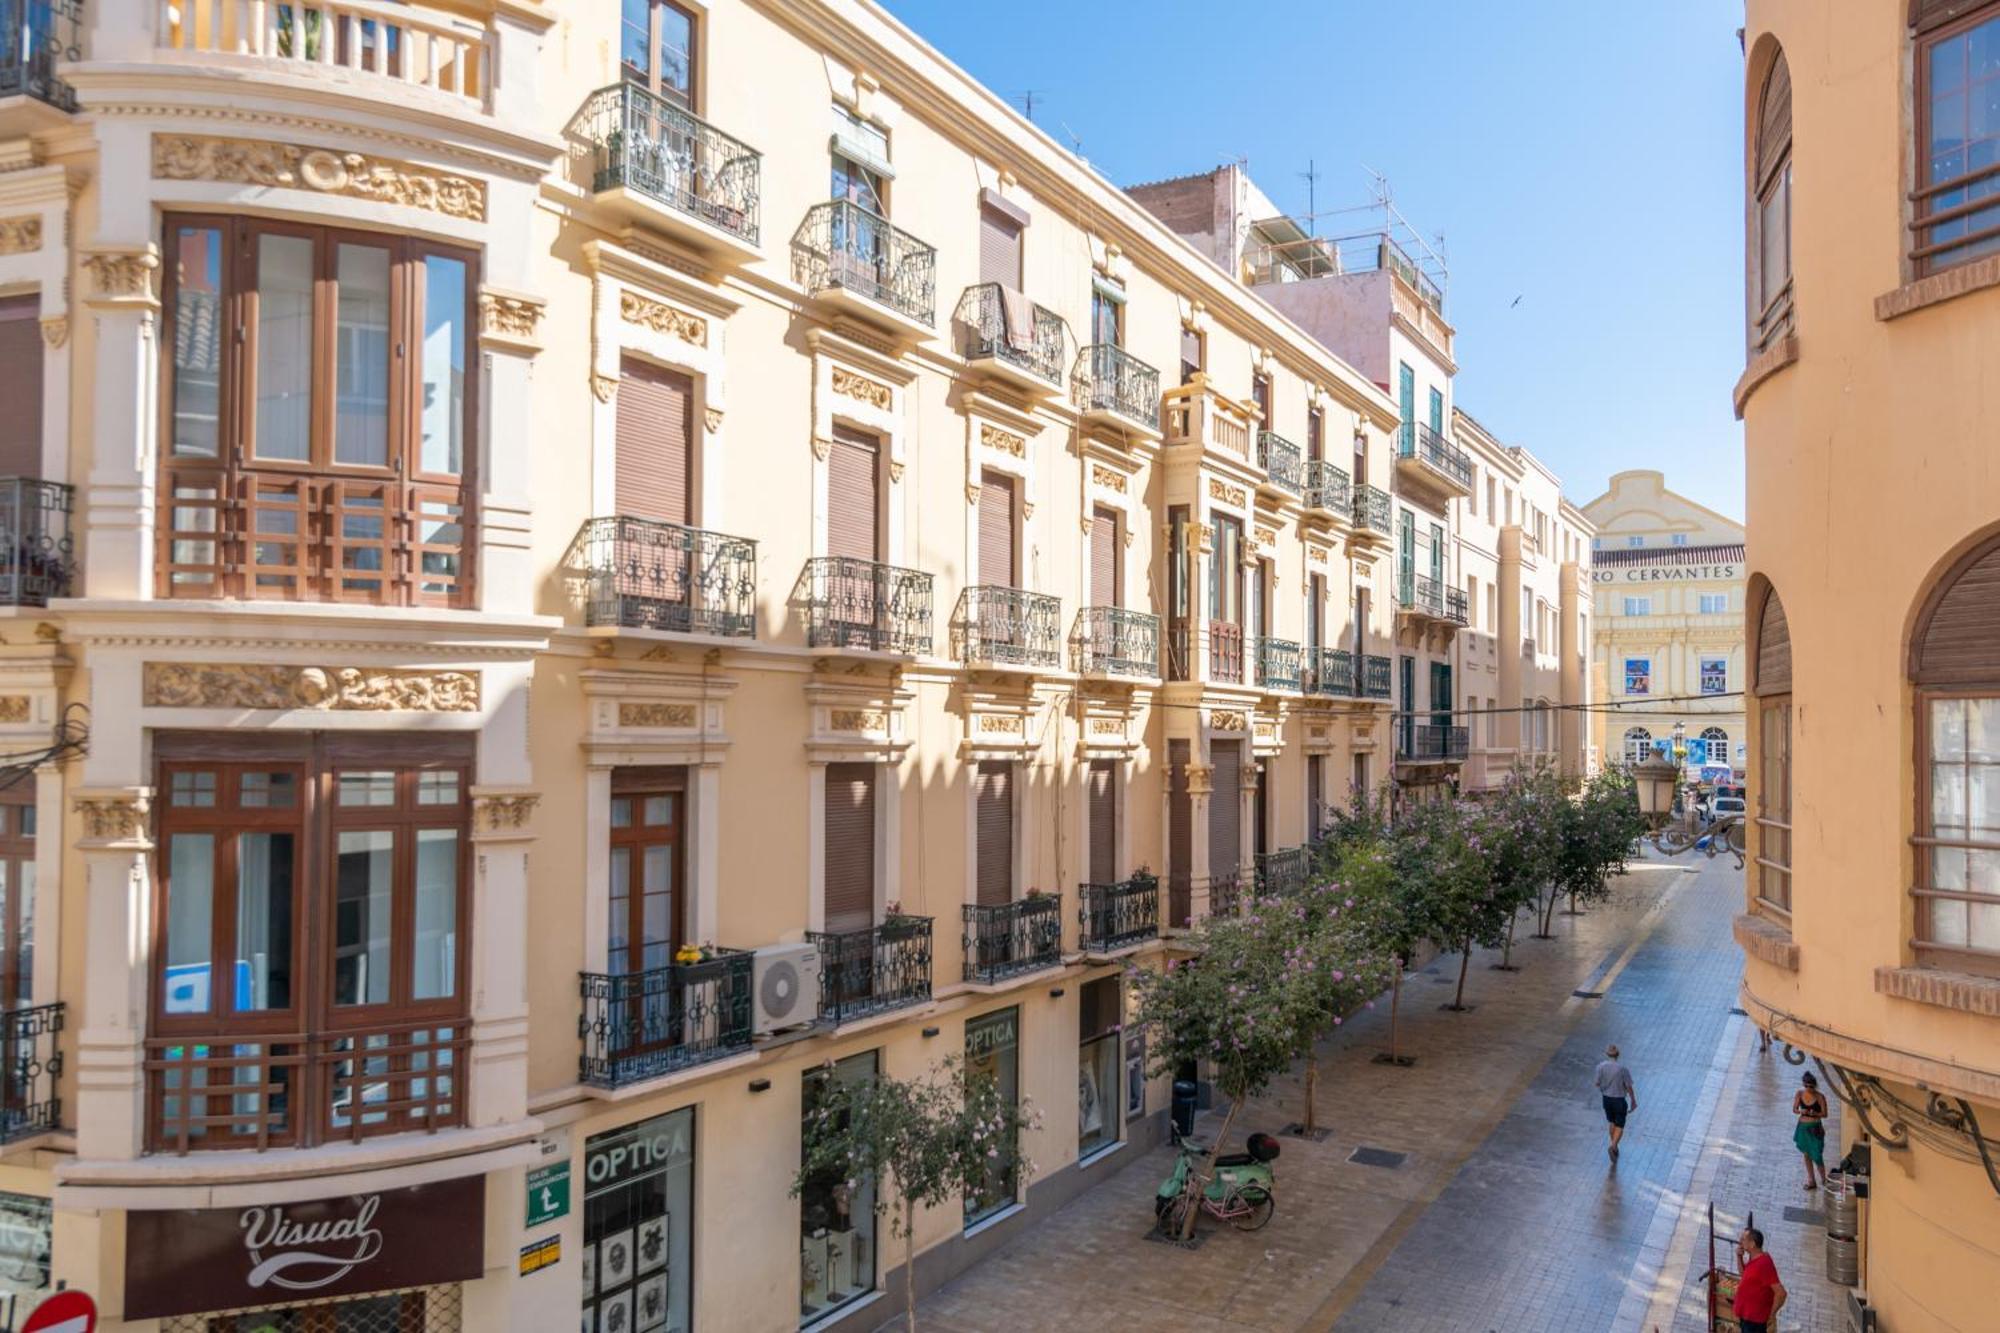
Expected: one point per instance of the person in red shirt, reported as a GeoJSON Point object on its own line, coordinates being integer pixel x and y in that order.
{"type": "Point", "coordinates": [1759, 1294]}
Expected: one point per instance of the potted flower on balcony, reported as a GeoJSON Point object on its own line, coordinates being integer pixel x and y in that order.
{"type": "Point", "coordinates": [898, 924]}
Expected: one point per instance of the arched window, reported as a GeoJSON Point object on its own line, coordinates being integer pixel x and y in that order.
{"type": "Point", "coordinates": [1718, 744]}
{"type": "Point", "coordinates": [1638, 745]}
{"type": "Point", "coordinates": [1772, 684]}
{"type": "Point", "coordinates": [1771, 205]}
{"type": "Point", "coordinates": [1955, 666]}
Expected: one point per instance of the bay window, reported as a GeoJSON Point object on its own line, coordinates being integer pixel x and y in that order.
{"type": "Point", "coordinates": [319, 415]}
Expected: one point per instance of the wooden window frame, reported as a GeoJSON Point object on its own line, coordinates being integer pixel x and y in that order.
{"type": "Point", "coordinates": [237, 475]}
{"type": "Point", "coordinates": [655, 9]}
{"type": "Point", "coordinates": [1926, 258]}
{"type": "Point", "coordinates": [1771, 318]}
{"type": "Point", "coordinates": [637, 785]}
{"type": "Point", "coordinates": [17, 850]}
{"type": "Point", "coordinates": [1767, 816]}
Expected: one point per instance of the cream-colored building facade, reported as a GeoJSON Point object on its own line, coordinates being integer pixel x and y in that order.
{"type": "Point", "coordinates": [1667, 647]}
{"type": "Point", "coordinates": [1869, 927]}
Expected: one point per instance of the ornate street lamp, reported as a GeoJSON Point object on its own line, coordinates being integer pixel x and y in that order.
{"type": "Point", "coordinates": [1656, 779]}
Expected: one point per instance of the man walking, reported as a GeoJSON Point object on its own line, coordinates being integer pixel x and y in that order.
{"type": "Point", "coordinates": [1614, 1084]}
{"type": "Point", "coordinates": [1759, 1294]}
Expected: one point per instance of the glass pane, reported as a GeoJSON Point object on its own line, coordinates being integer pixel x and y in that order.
{"type": "Point", "coordinates": [277, 791]}
{"type": "Point", "coordinates": [263, 977]}
{"type": "Point", "coordinates": [198, 337]}
{"type": "Point", "coordinates": [192, 789]}
{"type": "Point", "coordinates": [656, 906]}
{"type": "Point", "coordinates": [361, 357]}
{"type": "Point", "coordinates": [441, 412]}
{"type": "Point", "coordinates": [837, 1216]}
{"type": "Point", "coordinates": [361, 925]}
{"type": "Point", "coordinates": [676, 54]}
{"type": "Point", "coordinates": [436, 973]}
{"type": "Point", "coordinates": [437, 788]}
{"type": "Point", "coordinates": [634, 33]}
{"type": "Point", "coordinates": [618, 940]}
{"type": "Point", "coordinates": [24, 946]}
{"type": "Point", "coordinates": [190, 921]}
{"type": "Point", "coordinates": [284, 348]}
{"type": "Point", "coordinates": [621, 812]}
{"type": "Point", "coordinates": [368, 788]}
{"type": "Point", "coordinates": [659, 810]}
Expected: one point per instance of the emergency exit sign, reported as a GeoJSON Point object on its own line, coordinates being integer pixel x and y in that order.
{"type": "Point", "coordinates": [548, 1193]}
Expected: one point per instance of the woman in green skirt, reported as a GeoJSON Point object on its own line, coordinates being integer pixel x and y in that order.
{"type": "Point", "coordinates": [1810, 1136]}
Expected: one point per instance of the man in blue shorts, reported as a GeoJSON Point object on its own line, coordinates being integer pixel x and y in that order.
{"type": "Point", "coordinates": [1614, 1084]}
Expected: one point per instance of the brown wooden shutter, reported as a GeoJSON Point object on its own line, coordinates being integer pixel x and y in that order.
{"type": "Point", "coordinates": [1225, 807]}
{"type": "Point", "coordinates": [20, 387]}
{"type": "Point", "coordinates": [993, 801]}
{"type": "Point", "coordinates": [1315, 618]}
{"type": "Point", "coordinates": [849, 873]}
{"type": "Point", "coordinates": [1104, 557]}
{"type": "Point", "coordinates": [1180, 833]}
{"type": "Point", "coordinates": [655, 441]}
{"type": "Point", "coordinates": [1928, 14]}
{"type": "Point", "coordinates": [853, 502]}
{"type": "Point", "coordinates": [1103, 821]}
{"type": "Point", "coordinates": [1958, 638]}
{"type": "Point", "coordinates": [996, 529]}
{"type": "Point", "coordinates": [999, 248]}
{"type": "Point", "coordinates": [1315, 793]}
{"type": "Point", "coordinates": [1774, 118]}
{"type": "Point", "coordinates": [1774, 649]}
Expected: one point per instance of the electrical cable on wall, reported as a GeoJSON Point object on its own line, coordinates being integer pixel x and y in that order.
{"type": "Point", "coordinates": [72, 737]}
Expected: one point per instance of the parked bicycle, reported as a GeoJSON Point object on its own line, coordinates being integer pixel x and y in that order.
{"type": "Point", "coordinates": [1242, 1192]}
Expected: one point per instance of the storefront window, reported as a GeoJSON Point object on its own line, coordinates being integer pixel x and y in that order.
{"type": "Point", "coordinates": [993, 1050]}
{"type": "Point", "coordinates": [638, 1207]}
{"type": "Point", "coordinates": [1099, 1070]}
{"type": "Point", "coordinates": [24, 1246]}
{"type": "Point", "coordinates": [836, 1215]}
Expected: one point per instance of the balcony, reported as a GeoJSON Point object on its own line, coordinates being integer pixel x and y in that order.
{"type": "Point", "coordinates": [1226, 893]}
{"type": "Point", "coordinates": [1111, 641]}
{"type": "Point", "coordinates": [862, 265]}
{"type": "Point", "coordinates": [30, 1065]}
{"type": "Point", "coordinates": [1012, 939]}
{"type": "Point", "coordinates": [1199, 416]}
{"type": "Point", "coordinates": [662, 167]}
{"type": "Point", "coordinates": [1335, 675]}
{"type": "Point", "coordinates": [37, 558]}
{"type": "Point", "coordinates": [640, 1025]}
{"type": "Point", "coordinates": [1429, 602]}
{"type": "Point", "coordinates": [865, 605]}
{"type": "Point", "coordinates": [1431, 464]}
{"type": "Point", "coordinates": [1432, 744]}
{"type": "Point", "coordinates": [1225, 652]}
{"type": "Point", "coordinates": [1283, 466]}
{"type": "Point", "coordinates": [1283, 871]}
{"type": "Point", "coordinates": [1329, 488]}
{"type": "Point", "coordinates": [30, 45]}
{"type": "Point", "coordinates": [1117, 916]}
{"type": "Point", "coordinates": [636, 573]}
{"type": "Point", "coordinates": [1277, 664]}
{"type": "Point", "coordinates": [873, 971]}
{"type": "Point", "coordinates": [1115, 388]}
{"type": "Point", "coordinates": [1007, 627]}
{"type": "Point", "coordinates": [1003, 335]}
{"type": "Point", "coordinates": [1374, 677]}
{"type": "Point", "coordinates": [1371, 514]}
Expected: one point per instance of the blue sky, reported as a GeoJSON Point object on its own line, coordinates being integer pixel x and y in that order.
{"type": "Point", "coordinates": [1583, 157]}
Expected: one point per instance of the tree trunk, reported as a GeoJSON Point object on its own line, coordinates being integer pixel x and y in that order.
{"type": "Point", "coordinates": [910, 1264]}
{"type": "Point", "coordinates": [1310, 1123]}
{"type": "Point", "coordinates": [1395, 1012]}
{"type": "Point", "coordinates": [1545, 913]}
{"type": "Point", "coordinates": [1464, 961]}
{"type": "Point", "coordinates": [1198, 1186]}
{"type": "Point", "coordinates": [1507, 950]}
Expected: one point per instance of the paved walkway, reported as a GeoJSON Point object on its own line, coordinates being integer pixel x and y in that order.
{"type": "Point", "coordinates": [1503, 1213]}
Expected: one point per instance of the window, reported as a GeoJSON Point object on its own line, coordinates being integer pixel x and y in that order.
{"type": "Point", "coordinates": [1772, 686]}
{"type": "Point", "coordinates": [1194, 354]}
{"type": "Point", "coordinates": [21, 386]}
{"type": "Point", "coordinates": [1714, 675]}
{"type": "Point", "coordinates": [1099, 1067]}
{"type": "Point", "coordinates": [1107, 315]}
{"type": "Point", "coordinates": [1638, 675]}
{"type": "Point", "coordinates": [861, 171]}
{"type": "Point", "coordinates": [638, 1224]}
{"type": "Point", "coordinates": [1715, 604]}
{"type": "Point", "coordinates": [1638, 606]}
{"type": "Point", "coordinates": [647, 894]}
{"type": "Point", "coordinates": [1771, 211]}
{"type": "Point", "coordinates": [17, 897]}
{"type": "Point", "coordinates": [326, 458]}
{"type": "Point", "coordinates": [1715, 745]}
{"type": "Point", "coordinates": [1957, 194]}
{"type": "Point", "coordinates": [1406, 408]}
{"type": "Point", "coordinates": [27, 1225]}
{"type": "Point", "coordinates": [993, 1050]}
{"type": "Point", "coordinates": [1678, 539]}
{"type": "Point", "coordinates": [1260, 396]}
{"type": "Point", "coordinates": [1315, 434]}
{"type": "Point", "coordinates": [1597, 543]}
{"type": "Point", "coordinates": [1638, 745]}
{"type": "Point", "coordinates": [1635, 543]}
{"type": "Point", "coordinates": [318, 887]}
{"type": "Point", "coordinates": [1437, 412]}
{"type": "Point", "coordinates": [1955, 667]}
{"type": "Point", "coordinates": [837, 1233]}
{"type": "Point", "coordinates": [656, 41]}
{"type": "Point", "coordinates": [1492, 510]}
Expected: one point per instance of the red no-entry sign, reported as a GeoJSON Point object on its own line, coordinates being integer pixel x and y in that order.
{"type": "Point", "coordinates": [64, 1312]}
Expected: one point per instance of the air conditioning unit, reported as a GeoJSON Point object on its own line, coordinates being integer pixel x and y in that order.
{"type": "Point", "coordinates": [786, 979]}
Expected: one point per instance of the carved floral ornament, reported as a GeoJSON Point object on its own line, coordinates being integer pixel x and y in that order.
{"type": "Point", "coordinates": [1221, 490]}
{"type": "Point", "coordinates": [500, 814]}
{"type": "Point", "coordinates": [112, 818]}
{"type": "Point", "coordinates": [202, 157]}
{"type": "Point", "coordinates": [662, 318]}
{"type": "Point", "coordinates": [712, 418]}
{"type": "Point", "coordinates": [1316, 554]}
{"type": "Point", "coordinates": [1111, 479]}
{"type": "Point", "coordinates": [1000, 724]}
{"type": "Point", "coordinates": [122, 274]}
{"type": "Point", "coordinates": [859, 719]}
{"type": "Point", "coordinates": [1226, 719]}
{"type": "Point", "coordinates": [1006, 441]}
{"type": "Point", "coordinates": [603, 387]}
{"type": "Point", "coordinates": [655, 715]}
{"type": "Point", "coordinates": [325, 689]}
{"type": "Point", "coordinates": [848, 384]}
{"type": "Point", "coordinates": [506, 315]}
{"type": "Point", "coordinates": [14, 707]}
{"type": "Point", "coordinates": [1267, 536]}
{"type": "Point", "coordinates": [1105, 726]}
{"type": "Point", "coordinates": [20, 236]}
{"type": "Point", "coordinates": [55, 330]}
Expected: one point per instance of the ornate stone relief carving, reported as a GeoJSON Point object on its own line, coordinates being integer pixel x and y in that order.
{"type": "Point", "coordinates": [55, 330]}
{"type": "Point", "coordinates": [1200, 778]}
{"type": "Point", "coordinates": [202, 157]}
{"type": "Point", "coordinates": [862, 389]}
{"type": "Point", "coordinates": [1220, 490]}
{"type": "Point", "coordinates": [1027, 509]}
{"type": "Point", "coordinates": [122, 273]}
{"type": "Point", "coordinates": [509, 316]}
{"type": "Point", "coordinates": [859, 719]}
{"type": "Point", "coordinates": [1104, 726]}
{"type": "Point", "coordinates": [972, 492]}
{"type": "Point", "coordinates": [1226, 719]}
{"type": "Point", "coordinates": [603, 387]}
{"type": "Point", "coordinates": [1316, 554]}
{"type": "Point", "coordinates": [20, 236]}
{"type": "Point", "coordinates": [1006, 441]}
{"type": "Point", "coordinates": [822, 446]}
{"type": "Point", "coordinates": [328, 689]}
{"type": "Point", "coordinates": [1000, 724]}
{"type": "Point", "coordinates": [498, 814]}
{"type": "Point", "coordinates": [1085, 523]}
{"type": "Point", "coordinates": [712, 418]}
{"type": "Point", "coordinates": [895, 470]}
{"type": "Point", "coordinates": [14, 707]}
{"type": "Point", "coordinates": [1267, 537]}
{"type": "Point", "coordinates": [662, 318]}
{"type": "Point", "coordinates": [1111, 479]}
{"type": "Point", "coordinates": [113, 818]}
{"type": "Point", "coordinates": [655, 715]}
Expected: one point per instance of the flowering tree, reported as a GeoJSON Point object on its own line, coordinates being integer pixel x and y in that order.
{"type": "Point", "coordinates": [1393, 915]}
{"type": "Point", "coordinates": [925, 1141]}
{"type": "Point", "coordinates": [1326, 967]}
{"type": "Point", "coordinates": [1597, 825]}
{"type": "Point", "coordinates": [1440, 847]}
{"type": "Point", "coordinates": [1222, 1007]}
{"type": "Point", "coordinates": [1518, 829]}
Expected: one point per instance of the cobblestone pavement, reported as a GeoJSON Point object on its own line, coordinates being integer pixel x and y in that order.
{"type": "Point", "coordinates": [1504, 1213]}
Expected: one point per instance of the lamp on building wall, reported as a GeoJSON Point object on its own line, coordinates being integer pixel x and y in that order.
{"type": "Point", "coordinates": [1656, 780]}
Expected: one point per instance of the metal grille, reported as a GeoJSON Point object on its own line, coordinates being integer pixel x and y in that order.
{"type": "Point", "coordinates": [420, 1310]}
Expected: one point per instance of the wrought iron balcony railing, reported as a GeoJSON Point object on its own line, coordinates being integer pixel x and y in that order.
{"type": "Point", "coordinates": [1225, 893]}
{"type": "Point", "coordinates": [1225, 651]}
{"type": "Point", "coordinates": [37, 558]}
{"type": "Point", "coordinates": [1012, 938]}
{"type": "Point", "coordinates": [1116, 916]}
{"type": "Point", "coordinates": [1437, 453]}
{"type": "Point", "coordinates": [874, 970]}
{"type": "Point", "coordinates": [1283, 871]}
{"type": "Point", "coordinates": [1371, 509]}
{"type": "Point", "coordinates": [1336, 673]}
{"type": "Point", "coordinates": [29, 49]}
{"type": "Point", "coordinates": [854, 603]}
{"type": "Point", "coordinates": [1277, 664]}
{"type": "Point", "coordinates": [637, 573]}
{"type": "Point", "coordinates": [640, 1025]}
{"type": "Point", "coordinates": [31, 1062]}
{"type": "Point", "coordinates": [987, 320]}
{"type": "Point", "coordinates": [1111, 641]}
{"type": "Point", "coordinates": [842, 245]}
{"type": "Point", "coordinates": [1111, 379]}
{"type": "Point", "coordinates": [1420, 593]}
{"type": "Point", "coordinates": [1374, 676]}
{"type": "Point", "coordinates": [1281, 461]}
{"type": "Point", "coordinates": [1181, 647]}
{"type": "Point", "coordinates": [645, 143]}
{"type": "Point", "coordinates": [1429, 741]}
{"type": "Point", "coordinates": [1328, 487]}
{"type": "Point", "coordinates": [1455, 605]}
{"type": "Point", "coordinates": [1000, 626]}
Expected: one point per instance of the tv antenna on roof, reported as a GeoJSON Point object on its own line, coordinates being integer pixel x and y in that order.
{"type": "Point", "coordinates": [1311, 174]}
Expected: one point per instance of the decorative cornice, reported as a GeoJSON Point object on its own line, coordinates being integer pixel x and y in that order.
{"type": "Point", "coordinates": [123, 275]}
{"type": "Point", "coordinates": [848, 384]}
{"type": "Point", "coordinates": [114, 818]}
{"type": "Point", "coordinates": [324, 689]}
{"type": "Point", "coordinates": [502, 814]}
{"type": "Point", "coordinates": [201, 157]}
{"type": "Point", "coordinates": [662, 318]}
{"type": "Point", "coordinates": [510, 318]}
{"type": "Point", "coordinates": [20, 236]}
